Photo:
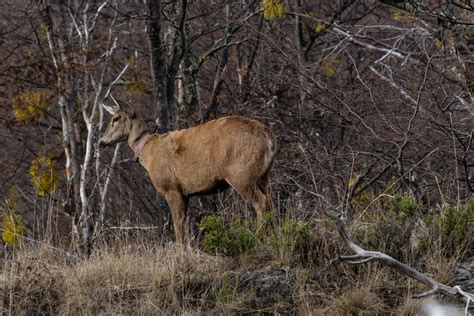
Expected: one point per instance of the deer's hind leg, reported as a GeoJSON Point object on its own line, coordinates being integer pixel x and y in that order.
{"type": "Point", "coordinates": [260, 202]}
{"type": "Point", "coordinates": [253, 193]}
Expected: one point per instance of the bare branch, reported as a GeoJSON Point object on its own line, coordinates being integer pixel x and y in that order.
{"type": "Point", "coordinates": [352, 38]}
{"type": "Point", "coordinates": [394, 85]}
{"type": "Point", "coordinates": [363, 256]}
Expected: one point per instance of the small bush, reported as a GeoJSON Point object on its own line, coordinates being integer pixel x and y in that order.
{"type": "Point", "coordinates": [451, 228]}
{"type": "Point", "coordinates": [229, 240]}
{"type": "Point", "coordinates": [390, 232]}
{"type": "Point", "coordinates": [402, 207]}
{"type": "Point", "coordinates": [383, 234]}
{"type": "Point", "coordinates": [454, 226]}
{"type": "Point", "coordinates": [290, 241]}
{"type": "Point", "coordinates": [286, 241]}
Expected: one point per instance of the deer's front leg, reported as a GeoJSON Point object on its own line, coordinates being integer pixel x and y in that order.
{"type": "Point", "coordinates": [178, 204]}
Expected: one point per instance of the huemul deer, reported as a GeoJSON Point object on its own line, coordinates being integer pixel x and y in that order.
{"type": "Point", "coordinates": [230, 151]}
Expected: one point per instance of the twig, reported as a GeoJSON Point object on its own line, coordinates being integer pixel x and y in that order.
{"type": "Point", "coordinates": [132, 227]}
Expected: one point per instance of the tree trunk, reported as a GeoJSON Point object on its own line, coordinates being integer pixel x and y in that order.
{"type": "Point", "coordinates": [158, 67]}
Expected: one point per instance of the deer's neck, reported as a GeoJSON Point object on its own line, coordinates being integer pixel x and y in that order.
{"type": "Point", "coordinates": [138, 136]}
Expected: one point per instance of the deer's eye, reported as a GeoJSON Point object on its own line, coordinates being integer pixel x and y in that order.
{"type": "Point", "coordinates": [115, 119]}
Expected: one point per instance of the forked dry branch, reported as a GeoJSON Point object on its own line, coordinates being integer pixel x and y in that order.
{"type": "Point", "coordinates": [362, 256]}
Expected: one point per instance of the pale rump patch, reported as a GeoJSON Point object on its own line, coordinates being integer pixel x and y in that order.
{"type": "Point", "coordinates": [269, 153]}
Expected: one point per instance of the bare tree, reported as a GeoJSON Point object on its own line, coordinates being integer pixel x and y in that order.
{"type": "Point", "coordinates": [82, 95]}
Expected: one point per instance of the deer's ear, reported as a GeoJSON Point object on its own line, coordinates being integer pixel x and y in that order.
{"type": "Point", "coordinates": [111, 109]}
{"type": "Point", "coordinates": [124, 106]}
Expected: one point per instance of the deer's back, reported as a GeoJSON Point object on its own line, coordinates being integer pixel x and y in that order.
{"type": "Point", "coordinates": [198, 158]}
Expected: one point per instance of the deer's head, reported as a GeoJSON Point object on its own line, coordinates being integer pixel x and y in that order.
{"type": "Point", "coordinates": [121, 123]}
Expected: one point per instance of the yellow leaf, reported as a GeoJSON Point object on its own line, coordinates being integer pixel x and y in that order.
{"type": "Point", "coordinates": [30, 105]}
{"type": "Point", "coordinates": [12, 228]}
{"type": "Point", "coordinates": [133, 63]}
{"type": "Point", "coordinates": [403, 17]}
{"type": "Point", "coordinates": [398, 15]}
{"type": "Point", "coordinates": [330, 66]}
{"type": "Point", "coordinates": [364, 197]}
{"type": "Point", "coordinates": [43, 175]}
{"type": "Point", "coordinates": [353, 180]}
{"type": "Point", "coordinates": [272, 9]}
{"type": "Point", "coordinates": [319, 27]}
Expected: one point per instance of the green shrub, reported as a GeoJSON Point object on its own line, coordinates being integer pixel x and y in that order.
{"type": "Point", "coordinates": [464, 225]}
{"type": "Point", "coordinates": [244, 238]}
{"type": "Point", "coordinates": [383, 234]}
{"type": "Point", "coordinates": [390, 232]}
{"type": "Point", "coordinates": [286, 240]}
{"type": "Point", "coordinates": [290, 240]}
{"type": "Point", "coordinates": [228, 240]}
{"type": "Point", "coordinates": [401, 207]}
{"type": "Point", "coordinates": [453, 227]}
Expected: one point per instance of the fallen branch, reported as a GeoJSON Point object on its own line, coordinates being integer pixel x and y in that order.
{"type": "Point", "coordinates": [362, 256]}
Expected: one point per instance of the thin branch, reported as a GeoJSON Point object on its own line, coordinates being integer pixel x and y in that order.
{"type": "Point", "coordinates": [394, 85]}
{"type": "Point", "coordinates": [352, 38]}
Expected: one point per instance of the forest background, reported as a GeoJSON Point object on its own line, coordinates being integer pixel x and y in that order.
{"type": "Point", "coordinates": [372, 106]}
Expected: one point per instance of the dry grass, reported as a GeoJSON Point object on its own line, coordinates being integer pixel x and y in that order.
{"type": "Point", "coordinates": [157, 280]}
{"type": "Point", "coordinates": [130, 280]}
{"type": "Point", "coordinates": [357, 301]}
{"type": "Point", "coordinates": [441, 268]}
{"type": "Point", "coordinates": [410, 307]}
{"type": "Point", "coordinates": [137, 275]}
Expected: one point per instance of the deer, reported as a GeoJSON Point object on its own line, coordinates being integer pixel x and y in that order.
{"type": "Point", "coordinates": [231, 151]}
